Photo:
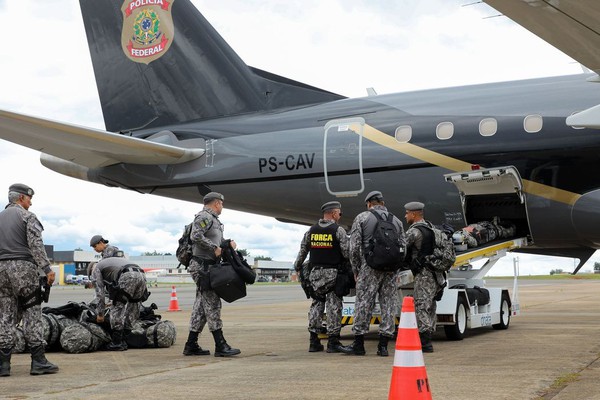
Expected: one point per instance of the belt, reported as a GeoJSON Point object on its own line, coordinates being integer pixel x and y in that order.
{"type": "Point", "coordinates": [325, 267]}
{"type": "Point", "coordinates": [204, 261]}
{"type": "Point", "coordinates": [132, 269]}
{"type": "Point", "coordinates": [30, 259]}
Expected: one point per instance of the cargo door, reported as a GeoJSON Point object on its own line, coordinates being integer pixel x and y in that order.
{"type": "Point", "coordinates": [492, 193]}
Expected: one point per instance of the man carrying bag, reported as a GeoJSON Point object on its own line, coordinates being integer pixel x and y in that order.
{"type": "Point", "coordinates": [207, 235]}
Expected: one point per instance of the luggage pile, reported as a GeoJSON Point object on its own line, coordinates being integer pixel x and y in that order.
{"type": "Point", "coordinates": [72, 328]}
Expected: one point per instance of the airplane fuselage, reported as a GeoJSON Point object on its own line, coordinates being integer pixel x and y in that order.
{"type": "Point", "coordinates": [285, 164]}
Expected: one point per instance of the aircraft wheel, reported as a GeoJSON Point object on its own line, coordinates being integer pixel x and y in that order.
{"type": "Point", "coordinates": [457, 331]}
{"type": "Point", "coordinates": [504, 313]}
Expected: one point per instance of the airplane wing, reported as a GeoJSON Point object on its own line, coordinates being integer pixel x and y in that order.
{"type": "Point", "coordinates": [91, 148]}
{"type": "Point", "coordinates": [572, 26]}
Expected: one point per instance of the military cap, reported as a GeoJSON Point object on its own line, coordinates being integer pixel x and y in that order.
{"type": "Point", "coordinates": [212, 196]}
{"type": "Point", "coordinates": [374, 195]}
{"type": "Point", "coordinates": [414, 206]}
{"type": "Point", "coordinates": [97, 239]}
{"type": "Point", "coordinates": [331, 205]}
{"type": "Point", "coordinates": [20, 188]}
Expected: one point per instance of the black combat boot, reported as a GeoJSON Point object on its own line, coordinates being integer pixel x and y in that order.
{"type": "Point", "coordinates": [222, 349]}
{"type": "Point", "coordinates": [192, 348]}
{"type": "Point", "coordinates": [39, 364]}
{"type": "Point", "coordinates": [5, 362]}
{"type": "Point", "coordinates": [333, 344]}
{"type": "Point", "coordinates": [382, 349]}
{"type": "Point", "coordinates": [315, 343]}
{"type": "Point", "coordinates": [116, 343]}
{"type": "Point", "coordinates": [426, 344]}
{"type": "Point", "coordinates": [357, 347]}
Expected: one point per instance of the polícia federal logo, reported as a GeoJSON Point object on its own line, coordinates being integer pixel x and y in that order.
{"type": "Point", "coordinates": [147, 29]}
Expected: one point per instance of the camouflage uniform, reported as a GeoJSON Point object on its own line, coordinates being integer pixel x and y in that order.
{"type": "Point", "coordinates": [111, 251]}
{"type": "Point", "coordinates": [19, 276]}
{"type": "Point", "coordinates": [426, 283]}
{"type": "Point", "coordinates": [371, 282]}
{"type": "Point", "coordinates": [323, 282]}
{"type": "Point", "coordinates": [207, 235]}
{"type": "Point", "coordinates": [130, 279]}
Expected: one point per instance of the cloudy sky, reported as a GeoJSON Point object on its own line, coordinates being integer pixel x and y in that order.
{"type": "Point", "coordinates": [392, 46]}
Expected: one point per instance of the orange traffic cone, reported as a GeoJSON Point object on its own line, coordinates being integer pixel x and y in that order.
{"type": "Point", "coordinates": [409, 377]}
{"type": "Point", "coordinates": [174, 304]}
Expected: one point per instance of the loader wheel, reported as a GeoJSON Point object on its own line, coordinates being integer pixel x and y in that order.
{"type": "Point", "coordinates": [457, 331]}
{"type": "Point", "coordinates": [504, 313]}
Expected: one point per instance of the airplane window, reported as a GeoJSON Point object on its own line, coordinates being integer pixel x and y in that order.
{"type": "Point", "coordinates": [488, 127]}
{"type": "Point", "coordinates": [404, 133]}
{"type": "Point", "coordinates": [533, 123]}
{"type": "Point", "coordinates": [444, 130]}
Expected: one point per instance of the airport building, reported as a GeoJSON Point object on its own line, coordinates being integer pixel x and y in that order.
{"type": "Point", "coordinates": [160, 268]}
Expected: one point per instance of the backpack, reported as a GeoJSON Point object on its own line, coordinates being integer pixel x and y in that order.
{"type": "Point", "coordinates": [387, 248]}
{"type": "Point", "coordinates": [184, 250]}
{"type": "Point", "coordinates": [443, 255]}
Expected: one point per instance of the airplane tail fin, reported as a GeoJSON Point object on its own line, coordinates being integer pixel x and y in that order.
{"type": "Point", "coordinates": [159, 62]}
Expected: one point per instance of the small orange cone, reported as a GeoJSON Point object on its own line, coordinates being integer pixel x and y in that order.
{"type": "Point", "coordinates": [174, 304]}
{"type": "Point", "coordinates": [409, 377]}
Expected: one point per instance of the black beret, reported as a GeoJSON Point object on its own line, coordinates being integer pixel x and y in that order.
{"type": "Point", "coordinates": [20, 188]}
{"type": "Point", "coordinates": [374, 195]}
{"type": "Point", "coordinates": [331, 205]}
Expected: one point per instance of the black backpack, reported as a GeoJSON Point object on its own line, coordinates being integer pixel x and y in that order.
{"type": "Point", "coordinates": [387, 248]}
{"type": "Point", "coordinates": [184, 250]}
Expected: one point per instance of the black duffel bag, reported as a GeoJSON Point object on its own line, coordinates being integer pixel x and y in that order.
{"type": "Point", "coordinates": [238, 262]}
{"type": "Point", "coordinates": [226, 282]}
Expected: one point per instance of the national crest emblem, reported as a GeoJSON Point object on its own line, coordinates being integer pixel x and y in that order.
{"type": "Point", "coordinates": [148, 29]}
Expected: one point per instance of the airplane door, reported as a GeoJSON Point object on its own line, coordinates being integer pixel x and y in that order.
{"type": "Point", "coordinates": [342, 156]}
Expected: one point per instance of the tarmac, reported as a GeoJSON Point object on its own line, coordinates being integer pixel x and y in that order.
{"type": "Point", "coordinates": [550, 351]}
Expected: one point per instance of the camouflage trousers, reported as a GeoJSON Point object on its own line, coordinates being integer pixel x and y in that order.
{"type": "Point", "coordinates": [122, 315]}
{"type": "Point", "coordinates": [334, 314]}
{"type": "Point", "coordinates": [19, 278]}
{"type": "Point", "coordinates": [369, 284]}
{"type": "Point", "coordinates": [207, 305]}
{"type": "Point", "coordinates": [426, 287]}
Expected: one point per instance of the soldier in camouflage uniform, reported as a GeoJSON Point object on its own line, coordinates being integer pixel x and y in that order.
{"type": "Point", "coordinates": [126, 286]}
{"type": "Point", "coordinates": [22, 258]}
{"type": "Point", "coordinates": [371, 282]}
{"type": "Point", "coordinates": [100, 245]}
{"type": "Point", "coordinates": [426, 284]}
{"type": "Point", "coordinates": [327, 243]}
{"type": "Point", "coordinates": [207, 236]}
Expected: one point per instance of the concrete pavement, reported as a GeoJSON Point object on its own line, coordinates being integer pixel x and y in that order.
{"type": "Point", "coordinates": [553, 342]}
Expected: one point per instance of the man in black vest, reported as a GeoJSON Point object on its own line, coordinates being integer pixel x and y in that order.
{"type": "Point", "coordinates": [126, 286]}
{"type": "Point", "coordinates": [327, 244]}
{"type": "Point", "coordinates": [22, 260]}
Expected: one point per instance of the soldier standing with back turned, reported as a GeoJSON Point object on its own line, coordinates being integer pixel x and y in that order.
{"type": "Point", "coordinates": [371, 282]}
{"type": "Point", "coordinates": [22, 258]}
{"type": "Point", "coordinates": [327, 243]}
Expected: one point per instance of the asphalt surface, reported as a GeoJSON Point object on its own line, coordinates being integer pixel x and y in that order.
{"type": "Point", "coordinates": [550, 351]}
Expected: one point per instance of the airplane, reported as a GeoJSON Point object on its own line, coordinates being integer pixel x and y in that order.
{"type": "Point", "coordinates": [185, 115]}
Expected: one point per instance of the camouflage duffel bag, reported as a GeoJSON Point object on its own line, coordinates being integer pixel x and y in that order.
{"type": "Point", "coordinates": [149, 334]}
{"type": "Point", "coordinates": [53, 326]}
{"type": "Point", "coordinates": [83, 337]}
{"type": "Point", "coordinates": [161, 334]}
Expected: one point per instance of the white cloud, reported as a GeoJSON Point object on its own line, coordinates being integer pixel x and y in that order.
{"type": "Point", "coordinates": [341, 46]}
